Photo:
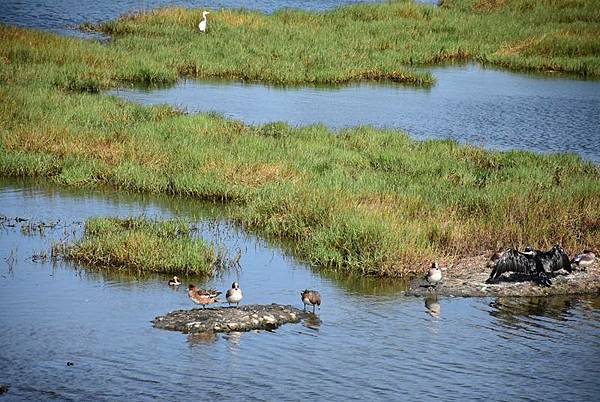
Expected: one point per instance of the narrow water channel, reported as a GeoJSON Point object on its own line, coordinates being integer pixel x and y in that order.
{"type": "Point", "coordinates": [366, 343]}
{"type": "Point", "coordinates": [487, 107]}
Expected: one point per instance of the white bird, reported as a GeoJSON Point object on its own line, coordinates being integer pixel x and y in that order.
{"type": "Point", "coordinates": [202, 24]}
{"type": "Point", "coordinates": [234, 295]}
{"type": "Point", "coordinates": [434, 275]}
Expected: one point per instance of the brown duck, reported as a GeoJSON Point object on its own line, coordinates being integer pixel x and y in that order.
{"type": "Point", "coordinates": [311, 297]}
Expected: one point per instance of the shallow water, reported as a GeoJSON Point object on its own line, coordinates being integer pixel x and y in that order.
{"type": "Point", "coordinates": [496, 109]}
{"type": "Point", "coordinates": [366, 343]}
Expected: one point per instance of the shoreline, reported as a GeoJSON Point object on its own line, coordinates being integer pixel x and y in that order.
{"type": "Point", "coordinates": [467, 277]}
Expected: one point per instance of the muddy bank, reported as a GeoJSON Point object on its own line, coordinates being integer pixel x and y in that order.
{"type": "Point", "coordinates": [466, 278]}
{"type": "Point", "coordinates": [228, 319]}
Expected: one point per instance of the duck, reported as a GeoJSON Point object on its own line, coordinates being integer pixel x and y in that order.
{"type": "Point", "coordinates": [583, 260]}
{"type": "Point", "coordinates": [174, 281]}
{"type": "Point", "coordinates": [495, 257]}
{"type": "Point", "coordinates": [234, 295]}
{"type": "Point", "coordinates": [529, 250]}
{"type": "Point", "coordinates": [434, 276]}
{"type": "Point", "coordinates": [311, 297]}
{"type": "Point", "coordinates": [202, 296]}
{"type": "Point", "coordinates": [202, 24]}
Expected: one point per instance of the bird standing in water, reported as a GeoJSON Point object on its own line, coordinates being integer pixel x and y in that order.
{"type": "Point", "coordinates": [202, 24]}
{"type": "Point", "coordinates": [201, 296]}
{"type": "Point", "coordinates": [311, 297]}
{"type": "Point", "coordinates": [174, 281]}
{"type": "Point", "coordinates": [234, 295]}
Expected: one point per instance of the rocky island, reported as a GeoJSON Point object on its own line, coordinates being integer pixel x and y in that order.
{"type": "Point", "coordinates": [227, 319]}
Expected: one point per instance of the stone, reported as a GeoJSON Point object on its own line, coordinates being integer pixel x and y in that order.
{"type": "Point", "coordinates": [228, 319]}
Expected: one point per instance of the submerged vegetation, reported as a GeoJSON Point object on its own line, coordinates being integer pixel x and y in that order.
{"type": "Point", "coordinates": [142, 244]}
{"type": "Point", "coordinates": [363, 200]}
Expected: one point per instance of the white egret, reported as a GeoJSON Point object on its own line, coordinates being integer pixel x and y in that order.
{"type": "Point", "coordinates": [202, 24]}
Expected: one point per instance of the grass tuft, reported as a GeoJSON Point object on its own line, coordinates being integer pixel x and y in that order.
{"type": "Point", "coordinates": [142, 245]}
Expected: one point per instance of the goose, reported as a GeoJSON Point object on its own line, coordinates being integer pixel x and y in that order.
{"type": "Point", "coordinates": [583, 260]}
{"type": "Point", "coordinates": [311, 297]}
{"type": "Point", "coordinates": [202, 296]}
{"type": "Point", "coordinates": [202, 24]}
{"type": "Point", "coordinates": [174, 281]}
{"type": "Point", "coordinates": [434, 276]}
{"type": "Point", "coordinates": [234, 295]}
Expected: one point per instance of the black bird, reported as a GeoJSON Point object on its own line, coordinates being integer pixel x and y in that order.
{"type": "Point", "coordinates": [555, 259]}
{"type": "Point", "coordinates": [535, 263]}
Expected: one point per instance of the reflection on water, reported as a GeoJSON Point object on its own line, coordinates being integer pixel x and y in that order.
{"type": "Point", "coordinates": [201, 338]}
{"type": "Point", "coordinates": [367, 341]}
{"type": "Point", "coordinates": [470, 104]}
{"type": "Point", "coordinates": [432, 305]}
{"type": "Point", "coordinates": [523, 312]}
{"type": "Point", "coordinates": [312, 321]}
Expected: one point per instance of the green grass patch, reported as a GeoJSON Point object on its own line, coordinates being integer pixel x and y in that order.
{"type": "Point", "coordinates": [357, 42]}
{"type": "Point", "coordinates": [367, 201]}
{"type": "Point", "coordinates": [143, 245]}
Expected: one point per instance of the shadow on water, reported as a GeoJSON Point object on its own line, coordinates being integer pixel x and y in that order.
{"type": "Point", "coordinates": [513, 311]}
{"type": "Point", "coordinates": [470, 104]}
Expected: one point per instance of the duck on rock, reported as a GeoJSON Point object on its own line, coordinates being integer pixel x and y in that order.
{"type": "Point", "coordinates": [234, 295]}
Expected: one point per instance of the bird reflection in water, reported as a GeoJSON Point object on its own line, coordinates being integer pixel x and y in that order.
{"type": "Point", "coordinates": [199, 338]}
{"type": "Point", "coordinates": [312, 321]}
{"type": "Point", "coordinates": [511, 312]}
{"type": "Point", "coordinates": [233, 339]}
{"type": "Point", "coordinates": [432, 305]}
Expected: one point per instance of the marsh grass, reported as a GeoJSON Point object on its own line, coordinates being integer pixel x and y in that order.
{"type": "Point", "coordinates": [367, 41]}
{"type": "Point", "coordinates": [143, 245]}
{"type": "Point", "coordinates": [367, 201]}
{"type": "Point", "coordinates": [364, 200]}
{"type": "Point", "coordinates": [351, 43]}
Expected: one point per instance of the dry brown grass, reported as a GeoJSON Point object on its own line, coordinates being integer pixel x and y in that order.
{"type": "Point", "coordinates": [250, 174]}
{"type": "Point", "coordinates": [489, 5]}
{"type": "Point", "coordinates": [235, 19]}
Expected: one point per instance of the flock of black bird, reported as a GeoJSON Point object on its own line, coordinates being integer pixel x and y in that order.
{"type": "Point", "coordinates": [538, 265]}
